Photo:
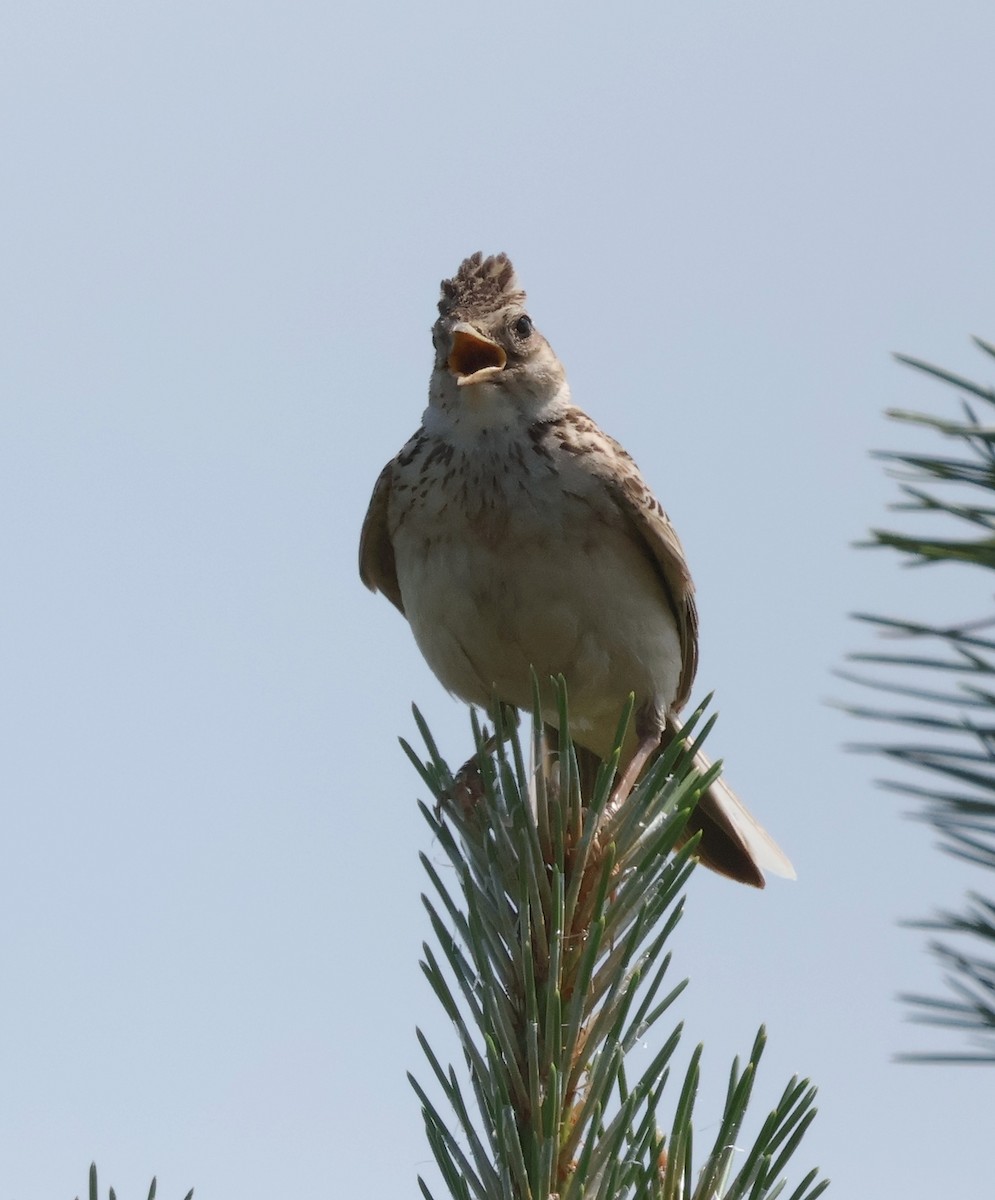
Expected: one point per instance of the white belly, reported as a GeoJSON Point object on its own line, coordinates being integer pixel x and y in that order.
{"type": "Point", "coordinates": [540, 584]}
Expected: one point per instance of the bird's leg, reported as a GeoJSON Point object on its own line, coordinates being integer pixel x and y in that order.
{"type": "Point", "coordinates": [650, 725]}
{"type": "Point", "coordinates": [468, 782]}
{"type": "Point", "coordinates": [648, 745]}
{"type": "Point", "coordinates": [549, 758]}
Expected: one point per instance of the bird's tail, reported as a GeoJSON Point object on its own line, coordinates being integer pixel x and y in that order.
{"type": "Point", "coordinates": [732, 842]}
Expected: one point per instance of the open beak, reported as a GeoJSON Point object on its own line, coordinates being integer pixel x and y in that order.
{"type": "Point", "coordinates": [474, 358]}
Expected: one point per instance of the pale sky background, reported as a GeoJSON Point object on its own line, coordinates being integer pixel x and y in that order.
{"type": "Point", "coordinates": [223, 229]}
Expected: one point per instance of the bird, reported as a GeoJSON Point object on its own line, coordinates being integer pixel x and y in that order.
{"type": "Point", "coordinates": [517, 537]}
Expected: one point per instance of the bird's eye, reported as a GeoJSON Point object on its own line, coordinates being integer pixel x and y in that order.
{"type": "Point", "coordinates": [523, 326]}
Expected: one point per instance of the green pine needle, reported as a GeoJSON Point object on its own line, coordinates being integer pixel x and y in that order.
{"type": "Point", "coordinates": [550, 959]}
{"type": "Point", "coordinates": [949, 747]}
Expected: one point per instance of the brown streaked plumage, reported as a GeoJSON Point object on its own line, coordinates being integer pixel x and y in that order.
{"type": "Point", "coordinates": [514, 534]}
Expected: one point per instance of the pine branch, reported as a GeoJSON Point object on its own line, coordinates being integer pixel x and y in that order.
{"type": "Point", "coordinates": [955, 748]}
{"type": "Point", "coordinates": [550, 960]}
{"type": "Point", "coordinates": [94, 1193]}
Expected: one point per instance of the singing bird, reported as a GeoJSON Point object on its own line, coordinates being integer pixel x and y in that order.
{"type": "Point", "coordinates": [513, 534]}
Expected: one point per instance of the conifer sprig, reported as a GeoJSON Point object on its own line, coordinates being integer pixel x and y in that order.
{"type": "Point", "coordinates": [550, 960]}
{"type": "Point", "coordinates": [943, 679]}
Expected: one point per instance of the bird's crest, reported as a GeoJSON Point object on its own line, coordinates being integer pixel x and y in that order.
{"type": "Point", "coordinates": [480, 286]}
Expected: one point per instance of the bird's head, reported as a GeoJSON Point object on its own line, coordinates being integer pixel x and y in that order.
{"type": "Point", "coordinates": [488, 353]}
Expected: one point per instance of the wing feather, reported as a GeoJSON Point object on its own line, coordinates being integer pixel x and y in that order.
{"type": "Point", "coordinates": [620, 477]}
{"type": "Point", "coordinates": [377, 567]}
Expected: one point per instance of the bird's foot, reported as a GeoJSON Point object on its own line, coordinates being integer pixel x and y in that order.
{"type": "Point", "coordinates": [468, 787]}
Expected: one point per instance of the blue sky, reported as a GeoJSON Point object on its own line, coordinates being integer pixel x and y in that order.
{"type": "Point", "coordinates": [224, 228]}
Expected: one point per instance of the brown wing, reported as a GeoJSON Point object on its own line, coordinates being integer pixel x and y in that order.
{"type": "Point", "coordinates": [377, 568]}
{"type": "Point", "coordinates": [621, 479]}
{"type": "Point", "coordinates": [661, 540]}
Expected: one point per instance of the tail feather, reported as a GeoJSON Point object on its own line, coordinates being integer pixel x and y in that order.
{"type": "Point", "coordinates": [732, 842]}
